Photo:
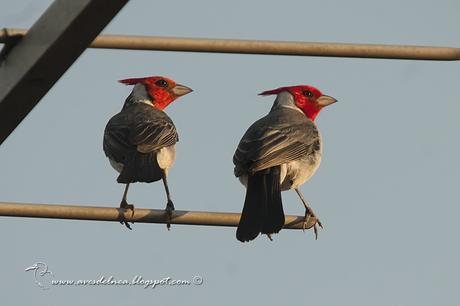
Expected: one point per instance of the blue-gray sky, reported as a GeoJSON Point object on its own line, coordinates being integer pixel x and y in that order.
{"type": "Point", "coordinates": [387, 189]}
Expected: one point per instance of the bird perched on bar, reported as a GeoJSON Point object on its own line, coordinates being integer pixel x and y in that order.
{"type": "Point", "coordinates": [278, 152]}
{"type": "Point", "coordinates": [140, 140]}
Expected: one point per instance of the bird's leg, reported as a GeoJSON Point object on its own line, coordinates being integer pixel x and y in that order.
{"type": "Point", "coordinates": [308, 214]}
{"type": "Point", "coordinates": [169, 205]}
{"type": "Point", "coordinates": [124, 204]}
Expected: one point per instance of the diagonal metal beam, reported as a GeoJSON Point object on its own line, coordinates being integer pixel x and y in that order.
{"type": "Point", "coordinates": [50, 47]}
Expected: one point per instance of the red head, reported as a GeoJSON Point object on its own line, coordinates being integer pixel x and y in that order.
{"type": "Point", "coordinates": [162, 91]}
{"type": "Point", "coordinates": [308, 98]}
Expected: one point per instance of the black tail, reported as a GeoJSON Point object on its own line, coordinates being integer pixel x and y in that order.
{"type": "Point", "coordinates": [140, 167]}
{"type": "Point", "coordinates": [263, 208]}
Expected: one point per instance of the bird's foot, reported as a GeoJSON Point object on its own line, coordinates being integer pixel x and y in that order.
{"type": "Point", "coordinates": [308, 215]}
{"type": "Point", "coordinates": [269, 237]}
{"type": "Point", "coordinates": [124, 205]}
{"type": "Point", "coordinates": [169, 209]}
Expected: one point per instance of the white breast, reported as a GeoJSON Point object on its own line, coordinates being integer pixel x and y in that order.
{"type": "Point", "coordinates": [295, 173]}
{"type": "Point", "coordinates": [166, 157]}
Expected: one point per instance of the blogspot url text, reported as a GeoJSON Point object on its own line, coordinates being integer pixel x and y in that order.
{"type": "Point", "coordinates": [137, 280]}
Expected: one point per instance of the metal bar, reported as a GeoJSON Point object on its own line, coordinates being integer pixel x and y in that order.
{"type": "Point", "coordinates": [140, 215]}
{"type": "Point", "coordinates": [270, 47]}
{"type": "Point", "coordinates": [34, 63]}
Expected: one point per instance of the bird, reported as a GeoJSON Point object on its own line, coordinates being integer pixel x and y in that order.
{"type": "Point", "coordinates": [140, 140]}
{"type": "Point", "coordinates": [279, 152]}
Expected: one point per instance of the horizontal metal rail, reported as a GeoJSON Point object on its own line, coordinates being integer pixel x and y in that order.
{"type": "Point", "coordinates": [266, 47]}
{"type": "Point", "coordinates": [140, 215]}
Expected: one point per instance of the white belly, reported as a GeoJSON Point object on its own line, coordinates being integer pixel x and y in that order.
{"type": "Point", "coordinates": [293, 174]}
{"type": "Point", "coordinates": [165, 158]}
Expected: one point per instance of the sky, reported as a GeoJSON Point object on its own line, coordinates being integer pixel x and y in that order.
{"type": "Point", "coordinates": [386, 191]}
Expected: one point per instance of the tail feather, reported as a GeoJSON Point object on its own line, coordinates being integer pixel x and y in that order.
{"type": "Point", "coordinates": [140, 167]}
{"type": "Point", "coordinates": [275, 216]}
{"type": "Point", "coordinates": [254, 210]}
{"type": "Point", "coordinates": [263, 208]}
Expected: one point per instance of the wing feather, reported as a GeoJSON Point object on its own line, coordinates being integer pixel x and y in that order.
{"type": "Point", "coordinates": [139, 128]}
{"type": "Point", "coordinates": [282, 136]}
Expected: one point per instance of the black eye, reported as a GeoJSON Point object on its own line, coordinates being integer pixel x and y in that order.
{"type": "Point", "coordinates": [307, 93]}
{"type": "Point", "coordinates": [161, 83]}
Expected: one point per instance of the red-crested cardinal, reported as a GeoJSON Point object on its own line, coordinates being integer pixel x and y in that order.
{"type": "Point", "coordinates": [140, 140]}
{"type": "Point", "coordinates": [280, 151]}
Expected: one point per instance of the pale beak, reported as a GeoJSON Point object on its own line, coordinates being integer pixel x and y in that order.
{"type": "Point", "coordinates": [325, 100]}
{"type": "Point", "coordinates": [180, 90]}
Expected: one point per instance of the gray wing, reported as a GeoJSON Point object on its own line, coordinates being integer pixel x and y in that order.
{"type": "Point", "coordinates": [138, 128]}
{"type": "Point", "coordinates": [280, 137]}
{"type": "Point", "coordinates": [152, 131]}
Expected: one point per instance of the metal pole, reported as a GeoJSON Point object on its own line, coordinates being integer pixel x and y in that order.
{"type": "Point", "coordinates": [268, 47]}
{"type": "Point", "coordinates": [30, 66]}
{"type": "Point", "coordinates": [140, 215]}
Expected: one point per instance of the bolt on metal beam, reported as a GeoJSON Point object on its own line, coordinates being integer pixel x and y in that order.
{"type": "Point", "coordinates": [157, 43]}
{"type": "Point", "coordinates": [140, 215]}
